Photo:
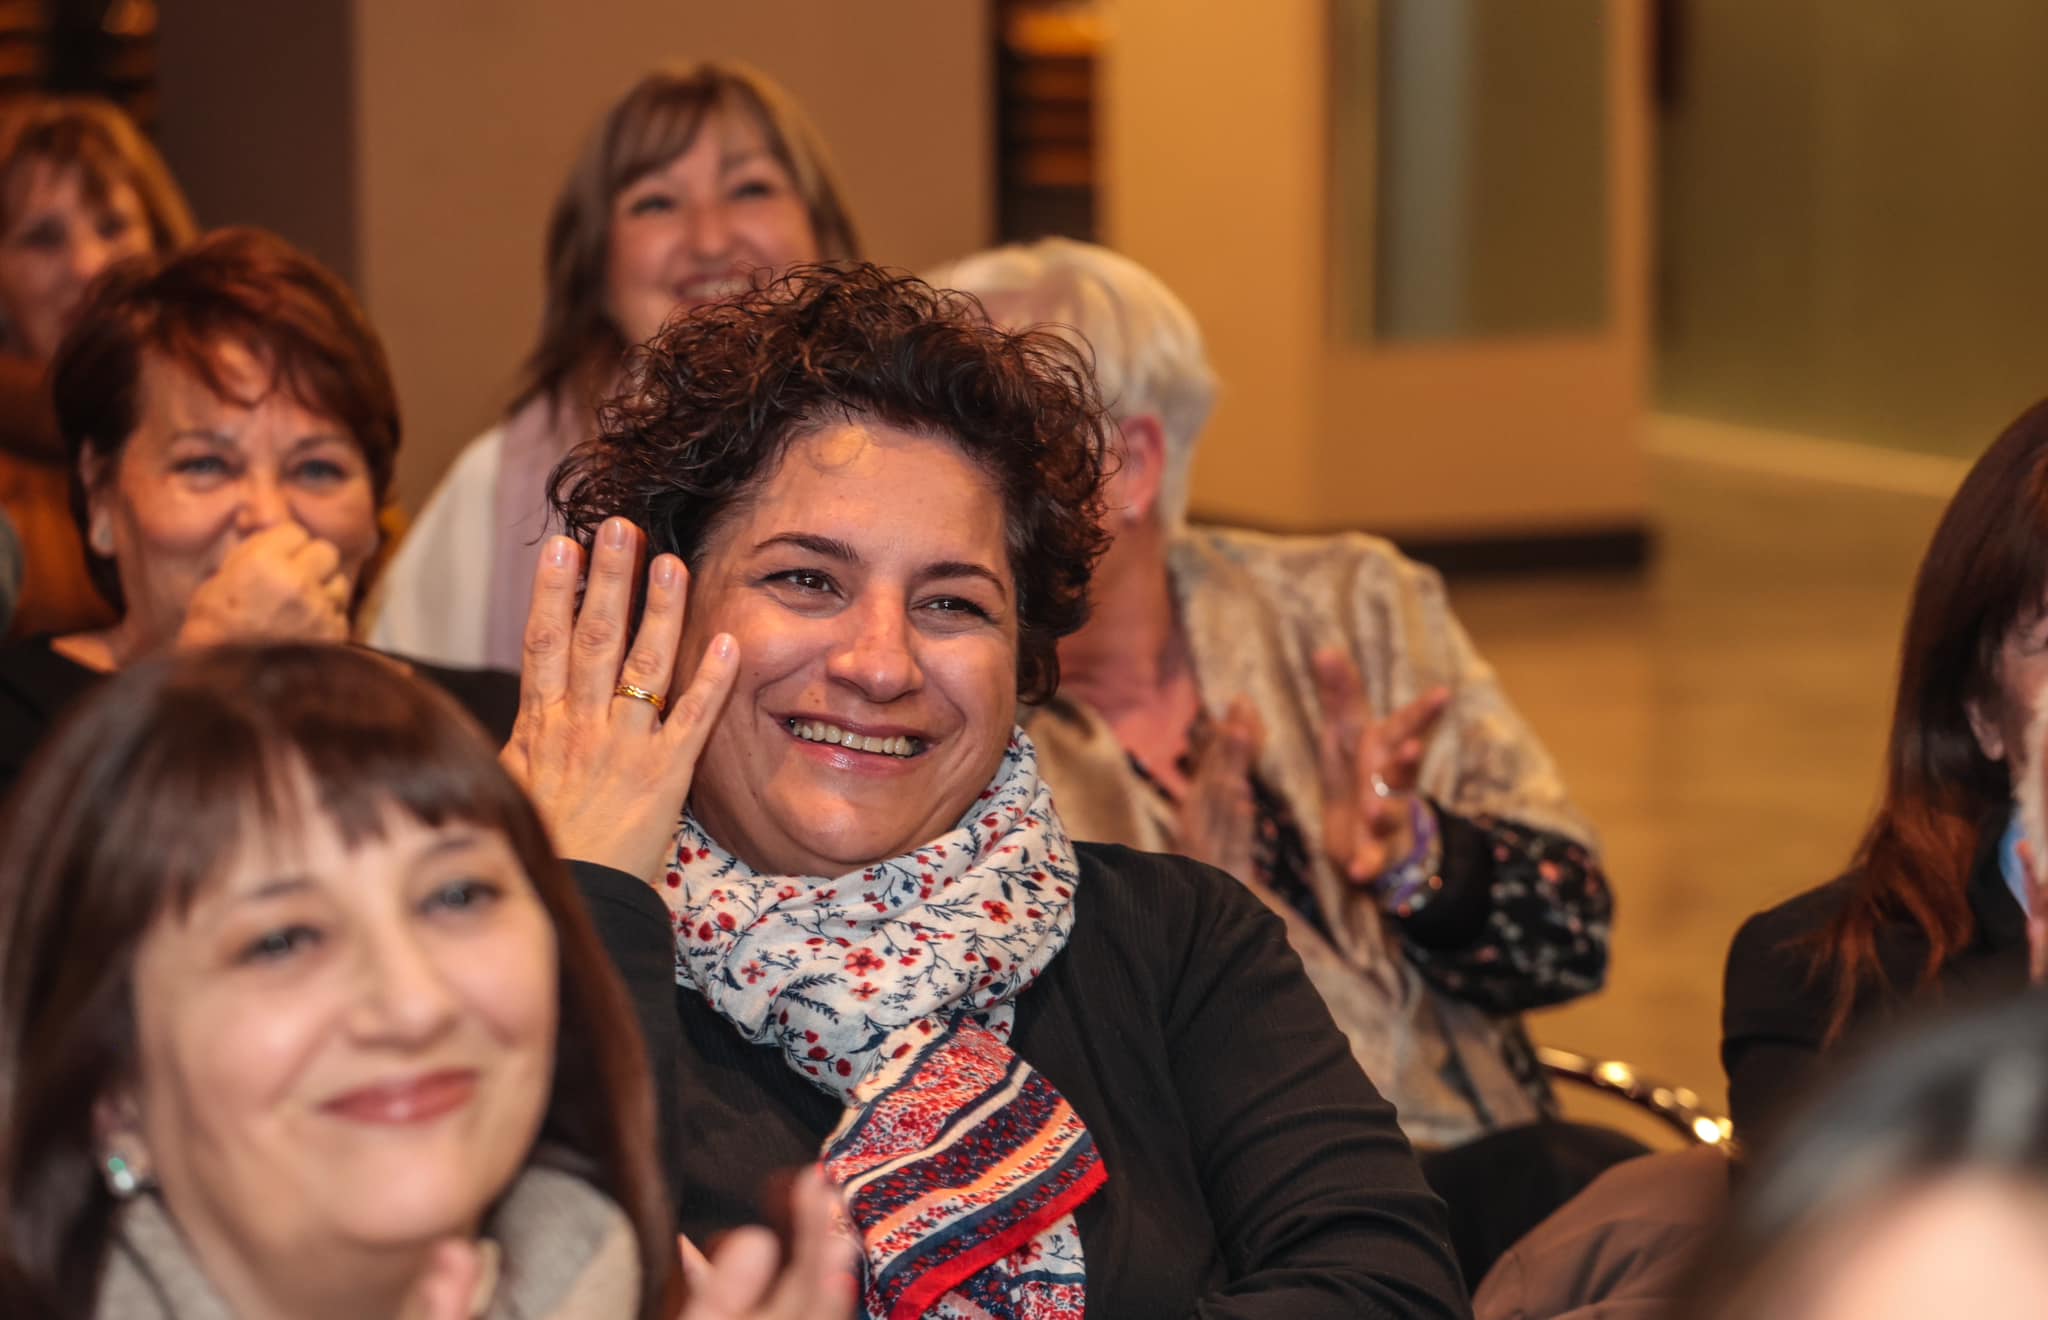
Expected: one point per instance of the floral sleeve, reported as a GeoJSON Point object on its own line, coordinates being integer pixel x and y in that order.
{"type": "Point", "coordinates": [1522, 920]}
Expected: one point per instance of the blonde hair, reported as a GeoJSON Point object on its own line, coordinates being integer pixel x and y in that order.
{"type": "Point", "coordinates": [651, 125]}
{"type": "Point", "coordinates": [1147, 349]}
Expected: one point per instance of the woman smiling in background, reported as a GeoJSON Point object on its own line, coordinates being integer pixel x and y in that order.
{"type": "Point", "coordinates": [696, 183]}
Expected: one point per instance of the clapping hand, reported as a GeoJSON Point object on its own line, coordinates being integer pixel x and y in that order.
{"type": "Point", "coordinates": [608, 768]}
{"type": "Point", "coordinates": [1216, 822]}
{"type": "Point", "coordinates": [1368, 768]}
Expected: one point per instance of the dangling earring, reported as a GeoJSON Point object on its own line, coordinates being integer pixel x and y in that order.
{"type": "Point", "coordinates": [101, 539]}
{"type": "Point", "coordinates": [124, 1180]}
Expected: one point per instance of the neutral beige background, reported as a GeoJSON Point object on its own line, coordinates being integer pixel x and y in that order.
{"type": "Point", "coordinates": [1853, 217]}
{"type": "Point", "coordinates": [1217, 174]}
{"type": "Point", "coordinates": [425, 168]}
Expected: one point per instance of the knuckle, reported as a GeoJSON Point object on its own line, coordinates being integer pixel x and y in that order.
{"type": "Point", "coordinates": [545, 637]}
{"type": "Point", "coordinates": [596, 633]}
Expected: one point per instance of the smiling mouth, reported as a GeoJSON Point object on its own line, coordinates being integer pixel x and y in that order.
{"type": "Point", "coordinates": [819, 732]}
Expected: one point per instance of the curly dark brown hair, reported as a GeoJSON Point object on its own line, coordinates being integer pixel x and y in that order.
{"type": "Point", "coordinates": [711, 404]}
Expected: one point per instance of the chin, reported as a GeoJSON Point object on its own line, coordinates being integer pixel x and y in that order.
{"type": "Point", "coordinates": [423, 1203]}
{"type": "Point", "coordinates": [847, 838]}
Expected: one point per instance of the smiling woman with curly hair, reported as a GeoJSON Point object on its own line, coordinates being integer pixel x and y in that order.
{"type": "Point", "coordinates": [1043, 1076]}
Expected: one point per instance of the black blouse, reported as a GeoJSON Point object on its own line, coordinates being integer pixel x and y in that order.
{"type": "Point", "coordinates": [1775, 1010]}
{"type": "Point", "coordinates": [1253, 1170]}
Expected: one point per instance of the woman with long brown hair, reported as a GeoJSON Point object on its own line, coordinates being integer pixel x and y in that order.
{"type": "Point", "coordinates": [695, 184]}
{"type": "Point", "coordinates": [1934, 900]}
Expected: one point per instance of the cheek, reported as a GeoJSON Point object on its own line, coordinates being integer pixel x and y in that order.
{"type": "Point", "coordinates": [637, 256]}
{"type": "Point", "coordinates": [782, 236]}
{"type": "Point", "coordinates": [345, 517]}
{"type": "Point", "coordinates": [218, 1066]}
{"type": "Point", "coordinates": [169, 528]}
{"type": "Point", "coordinates": [980, 679]}
{"type": "Point", "coordinates": [512, 983]}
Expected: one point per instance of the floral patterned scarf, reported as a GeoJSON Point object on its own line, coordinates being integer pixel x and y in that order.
{"type": "Point", "coordinates": [893, 988]}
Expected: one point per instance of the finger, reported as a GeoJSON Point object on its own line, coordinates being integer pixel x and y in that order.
{"type": "Point", "coordinates": [550, 621]}
{"type": "Point", "coordinates": [447, 1289]}
{"type": "Point", "coordinates": [651, 664]}
{"type": "Point", "coordinates": [336, 590]}
{"type": "Point", "coordinates": [741, 1270]}
{"type": "Point", "coordinates": [1338, 688]}
{"type": "Point", "coordinates": [316, 559]}
{"type": "Point", "coordinates": [694, 713]}
{"type": "Point", "coordinates": [279, 541]}
{"type": "Point", "coordinates": [696, 1267]}
{"type": "Point", "coordinates": [599, 642]}
{"type": "Point", "coordinates": [820, 1259]}
{"type": "Point", "coordinates": [1417, 720]}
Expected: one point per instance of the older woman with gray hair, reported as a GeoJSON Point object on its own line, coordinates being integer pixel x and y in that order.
{"type": "Point", "coordinates": [1307, 714]}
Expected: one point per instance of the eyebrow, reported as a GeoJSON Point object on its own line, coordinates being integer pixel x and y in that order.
{"type": "Point", "coordinates": [839, 551]}
{"type": "Point", "coordinates": [306, 441]}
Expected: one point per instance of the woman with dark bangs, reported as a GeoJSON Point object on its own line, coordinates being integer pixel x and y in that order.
{"type": "Point", "coordinates": [338, 1041]}
{"type": "Point", "coordinates": [696, 184]}
{"type": "Point", "coordinates": [80, 188]}
{"type": "Point", "coordinates": [1936, 901]}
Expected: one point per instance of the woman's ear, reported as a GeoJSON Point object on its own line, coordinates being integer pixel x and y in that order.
{"type": "Point", "coordinates": [1990, 738]}
{"type": "Point", "coordinates": [99, 520]}
{"type": "Point", "coordinates": [1133, 492]}
{"type": "Point", "coordinates": [123, 1151]}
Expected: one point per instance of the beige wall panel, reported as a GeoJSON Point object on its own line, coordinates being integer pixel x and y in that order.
{"type": "Point", "coordinates": [1213, 177]}
{"type": "Point", "coordinates": [1216, 175]}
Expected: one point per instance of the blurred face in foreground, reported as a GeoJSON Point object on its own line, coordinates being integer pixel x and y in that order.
{"type": "Point", "coordinates": [344, 1053]}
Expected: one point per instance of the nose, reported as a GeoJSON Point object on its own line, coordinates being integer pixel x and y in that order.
{"type": "Point", "coordinates": [711, 231]}
{"type": "Point", "coordinates": [402, 999]}
{"type": "Point", "coordinates": [89, 255]}
{"type": "Point", "coordinates": [878, 657]}
{"type": "Point", "coordinates": [263, 504]}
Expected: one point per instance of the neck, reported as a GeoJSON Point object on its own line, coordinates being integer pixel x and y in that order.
{"type": "Point", "coordinates": [133, 638]}
{"type": "Point", "coordinates": [1131, 646]}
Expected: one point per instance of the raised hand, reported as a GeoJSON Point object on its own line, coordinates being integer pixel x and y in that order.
{"type": "Point", "coordinates": [283, 583]}
{"type": "Point", "coordinates": [1368, 768]}
{"type": "Point", "coordinates": [610, 771]}
{"type": "Point", "coordinates": [741, 1279]}
{"type": "Point", "coordinates": [1216, 823]}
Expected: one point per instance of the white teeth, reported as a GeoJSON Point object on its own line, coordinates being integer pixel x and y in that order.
{"type": "Point", "coordinates": [817, 731]}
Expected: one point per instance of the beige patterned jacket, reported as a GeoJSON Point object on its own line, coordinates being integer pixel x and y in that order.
{"type": "Point", "coordinates": [1438, 1036]}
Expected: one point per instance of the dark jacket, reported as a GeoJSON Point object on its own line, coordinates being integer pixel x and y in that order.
{"type": "Point", "coordinates": [1775, 1010]}
{"type": "Point", "coordinates": [1253, 1170]}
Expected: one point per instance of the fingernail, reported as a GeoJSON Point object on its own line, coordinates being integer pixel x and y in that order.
{"type": "Point", "coordinates": [615, 533]}
{"type": "Point", "coordinates": [664, 572]}
{"type": "Point", "coordinates": [561, 551]}
{"type": "Point", "coordinates": [724, 646]}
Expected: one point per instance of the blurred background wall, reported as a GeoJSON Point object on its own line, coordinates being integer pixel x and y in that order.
{"type": "Point", "coordinates": [1851, 215]}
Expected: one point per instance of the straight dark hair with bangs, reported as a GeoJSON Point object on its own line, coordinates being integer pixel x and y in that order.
{"type": "Point", "coordinates": [1986, 572]}
{"type": "Point", "coordinates": [143, 795]}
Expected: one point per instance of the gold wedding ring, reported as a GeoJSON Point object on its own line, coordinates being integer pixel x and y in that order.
{"type": "Point", "coordinates": [656, 700]}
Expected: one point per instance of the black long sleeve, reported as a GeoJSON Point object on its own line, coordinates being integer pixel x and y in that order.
{"type": "Point", "coordinates": [1253, 1171]}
